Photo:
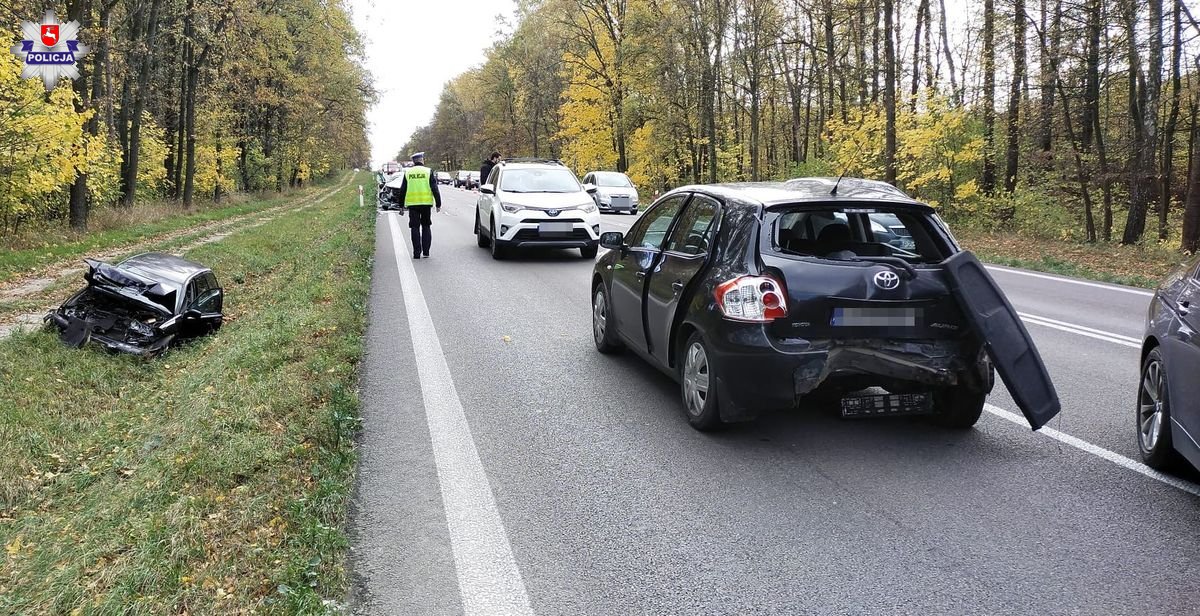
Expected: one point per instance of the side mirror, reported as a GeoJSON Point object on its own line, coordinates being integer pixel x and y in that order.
{"type": "Point", "coordinates": [612, 240]}
{"type": "Point", "coordinates": [590, 188]}
{"type": "Point", "coordinates": [192, 314]}
{"type": "Point", "coordinates": [487, 189]}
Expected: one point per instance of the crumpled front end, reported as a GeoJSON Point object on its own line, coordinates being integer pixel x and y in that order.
{"type": "Point", "coordinates": [117, 324]}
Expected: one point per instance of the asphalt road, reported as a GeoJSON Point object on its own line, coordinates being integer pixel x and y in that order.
{"type": "Point", "coordinates": [507, 467]}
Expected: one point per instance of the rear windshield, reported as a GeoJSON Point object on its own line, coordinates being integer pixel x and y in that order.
{"type": "Point", "coordinates": [856, 233]}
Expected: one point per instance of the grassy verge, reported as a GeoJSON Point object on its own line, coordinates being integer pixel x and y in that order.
{"type": "Point", "coordinates": [213, 480]}
{"type": "Point", "coordinates": [19, 254]}
{"type": "Point", "coordinates": [1136, 266]}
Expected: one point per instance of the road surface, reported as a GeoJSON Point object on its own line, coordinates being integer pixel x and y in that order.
{"type": "Point", "coordinates": [507, 467]}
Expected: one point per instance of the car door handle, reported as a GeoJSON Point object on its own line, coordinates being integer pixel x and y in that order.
{"type": "Point", "coordinates": [677, 285]}
{"type": "Point", "coordinates": [641, 275]}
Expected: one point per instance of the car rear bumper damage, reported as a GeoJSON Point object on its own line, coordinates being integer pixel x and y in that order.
{"type": "Point", "coordinates": [756, 372]}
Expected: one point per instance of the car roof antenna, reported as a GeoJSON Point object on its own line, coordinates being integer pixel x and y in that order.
{"type": "Point", "coordinates": [833, 193]}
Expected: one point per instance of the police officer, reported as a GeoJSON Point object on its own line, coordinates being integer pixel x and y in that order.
{"type": "Point", "coordinates": [419, 194]}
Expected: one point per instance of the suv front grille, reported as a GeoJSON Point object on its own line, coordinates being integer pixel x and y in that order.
{"type": "Point", "coordinates": [529, 235]}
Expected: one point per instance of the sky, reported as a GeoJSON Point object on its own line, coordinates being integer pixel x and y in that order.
{"type": "Point", "coordinates": [413, 48]}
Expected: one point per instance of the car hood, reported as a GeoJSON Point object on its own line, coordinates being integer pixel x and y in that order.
{"type": "Point", "coordinates": [546, 201]}
{"type": "Point", "coordinates": [124, 284]}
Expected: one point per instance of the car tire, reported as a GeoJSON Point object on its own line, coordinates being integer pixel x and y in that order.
{"type": "Point", "coordinates": [499, 251]}
{"type": "Point", "coordinates": [589, 251]}
{"type": "Point", "coordinates": [481, 239]}
{"type": "Point", "coordinates": [603, 335]}
{"type": "Point", "coordinates": [959, 406]}
{"type": "Point", "coordinates": [633, 212]}
{"type": "Point", "coordinates": [697, 385]}
{"type": "Point", "coordinates": [1153, 418]}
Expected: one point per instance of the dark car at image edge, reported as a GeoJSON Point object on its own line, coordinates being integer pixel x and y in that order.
{"type": "Point", "coordinates": [759, 296]}
{"type": "Point", "coordinates": [1168, 396]}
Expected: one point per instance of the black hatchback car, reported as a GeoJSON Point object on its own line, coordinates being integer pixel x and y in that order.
{"type": "Point", "coordinates": [754, 296]}
{"type": "Point", "coordinates": [141, 305]}
{"type": "Point", "coordinates": [1168, 398]}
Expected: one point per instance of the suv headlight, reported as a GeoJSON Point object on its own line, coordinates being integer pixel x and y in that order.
{"type": "Point", "coordinates": [510, 208]}
{"type": "Point", "coordinates": [588, 208]}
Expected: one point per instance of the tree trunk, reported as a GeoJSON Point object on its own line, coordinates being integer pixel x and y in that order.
{"type": "Point", "coordinates": [955, 96]}
{"type": "Point", "coordinates": [80, 10]}
{"type": "Point", "coordinates": [1014, 98]}
{"type": "Point", "coordinates": [889, 92]}
{"type": "Point", "coordinates": [1190, 240]}
{"type": "Point", "coordinates": [145, 64]}
{"type": "Point", "coordinates": [1168, 157]}
{"type": "Point", "coordinates": [1143, 104]}
{"type": "Point", "coordinates": [989, 96]}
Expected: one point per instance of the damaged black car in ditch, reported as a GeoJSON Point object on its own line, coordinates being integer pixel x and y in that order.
{"type": "Point", "coordinates": [761, 296]}
{"type": "Point", "coordinates": [141, 305]}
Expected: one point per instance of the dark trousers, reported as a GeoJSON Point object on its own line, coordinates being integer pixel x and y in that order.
{"type": "Point", "coordinates": [419, 220]}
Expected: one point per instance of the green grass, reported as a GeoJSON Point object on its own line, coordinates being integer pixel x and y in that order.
{"type": "Point", "coordinates": [214, 479]}
{"type": "Point", "coordinates": [55, 248]}
{"type": "Point", "coordinates": [1053, 265]}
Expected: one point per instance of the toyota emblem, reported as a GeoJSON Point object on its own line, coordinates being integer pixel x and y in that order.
{"type": "Point", "coordinates": [552, 212]}
{"type": "Point", "coordinates": [887, 280]}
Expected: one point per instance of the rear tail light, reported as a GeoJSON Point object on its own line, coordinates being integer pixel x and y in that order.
{"type": "Point", "coordinates": [757, 299]}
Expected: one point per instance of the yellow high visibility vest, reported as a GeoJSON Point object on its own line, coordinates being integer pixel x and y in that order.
{"type": "Point", "coordinates": [417, 191]}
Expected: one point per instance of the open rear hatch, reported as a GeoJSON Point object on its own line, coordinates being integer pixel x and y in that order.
{"type": "Point", "coordinates": [1007, 341]}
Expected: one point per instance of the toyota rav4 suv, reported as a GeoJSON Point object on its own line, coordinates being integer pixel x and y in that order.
{"type": "Point", "coordinates": [758, 296]}
{"type": "Point", "coordinates": [535, 203]}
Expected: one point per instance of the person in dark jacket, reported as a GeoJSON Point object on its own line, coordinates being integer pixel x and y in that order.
{"type": "Point", "coordinates": [487, 167]}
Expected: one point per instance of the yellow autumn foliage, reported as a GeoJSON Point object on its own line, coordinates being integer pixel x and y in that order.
{"type": "Point", "coordinates": [937, 153]}
{"type": "Point", "coordinates": [41, 142]}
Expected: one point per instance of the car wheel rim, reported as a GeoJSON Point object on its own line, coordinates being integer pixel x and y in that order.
{"type": "Point", "coordinates": [599, 317]}
{"type": "Point", "coordinates": [695, 379]}
{"type": "Point", "coordinates": [1151, 406]}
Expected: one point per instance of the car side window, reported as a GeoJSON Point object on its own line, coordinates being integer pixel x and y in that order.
{"type": "Point", "coordinates": [209, 301]}
{"type": "Point", "coordinates": [651, 229]}
{"type": "Point", "coordinates": [493, 177]}
{"type": "Point", "coordinates": [694, 233]}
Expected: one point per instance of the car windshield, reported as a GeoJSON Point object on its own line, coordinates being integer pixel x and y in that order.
{"type": "Point", "coordinates": [539, 180]}
{"type": "Point", "coordinates": [855, 233]}
{"type": "Point", "coordinates": [612, 179]}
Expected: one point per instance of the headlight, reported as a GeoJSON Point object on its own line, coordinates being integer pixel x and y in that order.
{"type": "Point", "coordinates": [605, 199]}
{"type": "Point", "coordinates": [510, 208]}
{"type": "Point", "coordinates": [588, 208]}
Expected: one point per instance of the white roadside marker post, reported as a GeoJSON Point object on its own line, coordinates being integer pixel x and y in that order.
{"type": "Point", "coordinates": [360, 196]}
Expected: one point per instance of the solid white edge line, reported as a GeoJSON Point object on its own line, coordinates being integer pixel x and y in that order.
{"type": "Point", "coordinates": [488, 578]}
{"type": "Point", "coordinates": [1078, 332]}
{"type": "Point", "coordinates": [1085, 283]}
{"type": "Point", "coordinates": [1095, 450]}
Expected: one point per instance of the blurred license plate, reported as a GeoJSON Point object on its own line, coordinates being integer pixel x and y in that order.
{"type": "Point", "coordinates": [554, 227]}
{"type": "Point", "coordinates": [873, 405]}
{"type": "Point", "coordinates": [875, 317]}
{"type": "Point", "coordinates": [620, 201]}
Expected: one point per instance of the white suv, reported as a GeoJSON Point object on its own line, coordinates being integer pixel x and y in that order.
{"type": "Point", "coordinates": [536, 203]}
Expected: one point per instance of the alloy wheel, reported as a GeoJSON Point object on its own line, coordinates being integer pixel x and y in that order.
{"type": "Point", "coordinates": [695, 379]}
{"type": "Point", "coordinates": [599, 316]}
{"type": "Point", "coordinates": [1151, 407]}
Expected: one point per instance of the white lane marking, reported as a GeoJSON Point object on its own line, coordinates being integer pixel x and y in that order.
{"type": "Point", "coordinates": [1100, 452]}
{"type": "Point", "coordinates": [1128, 341]}
{"type": "Point", "coordinates": [1085, 283]}
{"type": "Point", "coordinates": [488, 577]}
